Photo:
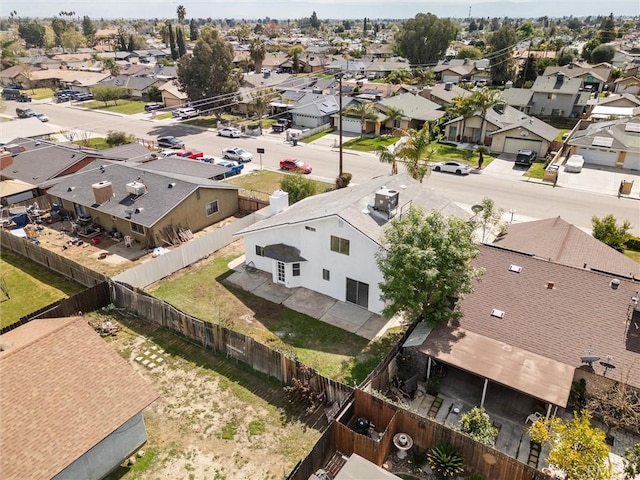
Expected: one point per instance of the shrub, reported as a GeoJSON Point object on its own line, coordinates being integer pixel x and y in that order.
{"type": "Point", "coordinates": [297, 187]}
{"type": "Point", "coordinates": [343, 180]}
{"type": "Point", "coordinates": [578, 395]}
{"type": "Point", "coordinates": [608, 231]}
{"type": "Point", "coordinates": [633, 243]}
{"type": "Point", "coordinates": [120, 138]}
{"type": "Point", "coordinates": [445, 460]}
{"type": "Point", "coordinates": [477, 424]}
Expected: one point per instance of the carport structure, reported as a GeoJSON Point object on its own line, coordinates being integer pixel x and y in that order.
{"type": "Point", "coordinates": [536, 376]}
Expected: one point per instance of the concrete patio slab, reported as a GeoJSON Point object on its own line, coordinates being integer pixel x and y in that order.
{"type": "Point", "coordinates": [373, 327]}
{"type": "Point", "coordinates": [346, 316]}
{"type": "Point", "coordinates": [245, 281]}
{"type": "Point", "coordinates": [273, 292]}
{"type": "Point", "coordinates": [309, 302]}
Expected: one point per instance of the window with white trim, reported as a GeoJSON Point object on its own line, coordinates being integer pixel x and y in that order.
{"type": "Point", "coordinates": [259, 251]}
{"type": "Point", "coordinates": [137, 228]}
{"type": "Point", "coordinates": [212, 207]}
{"type": "Point", "coordinates": [340, 245]}
{"type": "Point", "coordinates": [295, 268]}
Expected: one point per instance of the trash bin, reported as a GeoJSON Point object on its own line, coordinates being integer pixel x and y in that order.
{"type": "Point", "coordinates": [625, 187]}
{"type": "Point", "coordinates": [294, 142]}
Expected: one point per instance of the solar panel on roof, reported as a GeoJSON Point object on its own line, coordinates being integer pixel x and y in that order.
{"type": "Point", "coordinates": [632, 127]}
{"type": "Point", "coordinates": [602, 142]}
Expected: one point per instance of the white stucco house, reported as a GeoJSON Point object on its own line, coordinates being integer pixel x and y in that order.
{"type": "Point", "coordinates": [327, 243]}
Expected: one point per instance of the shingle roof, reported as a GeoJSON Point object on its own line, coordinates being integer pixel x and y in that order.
{"type": "Point", "coordinates": [616, 129]}
{"type": "Point", "coordinates": [414, 106]}
{"type": "Point", "coordinates": [517, 97]}
{"type": "Point", "coordinates": [557, 84]}
{"type": "Point", "coordinates": [354, 205]}
{"type": "Point", "coordinates": [581, 312]}
{"type": "Point", "coordinates": [164, 191]}
{"type": "Point", "coordinates": [193, 168]}
{"type": "Point", "coordinates": [62, 390]}
{"type": "Point", "coordinates": [559, 241]}
{"type": "Point", "coordinates": [534, 125]}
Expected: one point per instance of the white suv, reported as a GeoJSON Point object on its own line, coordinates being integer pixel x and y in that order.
{"type": "Point", "coordinates": [183, 113]}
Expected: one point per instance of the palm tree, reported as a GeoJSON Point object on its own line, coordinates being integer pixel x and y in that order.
{"type": "Point", "coordinates": [257, 53]}
{"type": "Point", "coordinates": [182, 13]}
{"type": "Point", "coordinates": [483, 100]}
{"type": "Point", "coordinates": [398, 76]}
{"type": "Point", "coordinates": [424, 76]}
{"type": "Point", "coordinates": [393, 114]}
{"type": "Point", "coordinates": [365, 111]}
{"type": "Point", "coordinates": [414, 151]}
{"type": "Point", "coordinates": [261, 101]}
{"type": "Point", "coordinates": [461, 107]}
{"type": "Point", "coordinates": [294, 53]}
{"type": "Point", "coordinates": [387, 156]}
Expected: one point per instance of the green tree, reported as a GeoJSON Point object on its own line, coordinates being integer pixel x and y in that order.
{"type": "Point", "coordinates": [260, 102]}
{"type": "Point", "coordinates": [575, 447]}
{"type": "Point", "coordinates": [425, 38]}
{"type": "Point", "coordinates": [110, 64]}
{"type": "Point", "coordinates": [181, 13]}
{"type": "Point", "coordinates": [491, 216]}
{"type": "Point", "coordinates": [461, 107]}
{"type": "Point", "coordinates": [387, 156]}
{"type": "Point", "coordinates": [207, 72]}
{"type": "Point", "coordinates": [172, 42]}
{"type": "Point", "coordinates": [424, 76]}
{"type": "Point", "coordinates": [32, 33]}
{"type": "Point", "coordinates": [182, 46]}
{"type": "Point", "coordinates": [566, 57]}
{"type": "Point", "coordinates": [298, 187]}
{"type": "Point", "coordinates": [72, 40]}
{"type": "Point", "coordinates": [603, 53]}
{"type": "Point", "coordinates": [257, 53]}
{"type": "Point", "coordinates": [115, 139]}
{"type": "Point", "coordinates": [193, 30]}
{"type": "Point", "coordinates": [392, 114]}
{"type": "Point", "coordinates": [528, 73]}
{"type": "Point", "coordinates": [501, 58]}
{"type": "Point", "coordinates": [588, 47]}
{"type": "Point", "coordinates": [631, 461]}
{"type": "Point", "coordinates": [425, 263]}
{"type": "Point", "coordinates": [607, 230]}
{"type": "Point", "coordinates": [365, 112]}
{"type": "Point", "coordinates": [109, 93]}
{"type": "Point", "coordinates": [294, 53]}
{"type": "Point", "coordinates": [415, 153]}
{"type": "Point", "coordinates": [88, 28]}
{"type": "Point", "coordinates": [398, 76]}
{"type": "Point", "coordinates": [477, 424]}
{"type": "Point", "coordinates": [469, 52]}
{"type": "Point", "coordinates": [313, 21]}
{"type": "Point", "coordinates": [59, 26]}
{"type": "Point", "coordinates": [607, 31]}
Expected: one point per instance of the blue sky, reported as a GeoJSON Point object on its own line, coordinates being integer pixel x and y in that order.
{"type": "Point", "coordinates": [342, 9]}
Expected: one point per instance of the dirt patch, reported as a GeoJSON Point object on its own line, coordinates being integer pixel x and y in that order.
{"type": "Point", "coordinates": [214, 418]}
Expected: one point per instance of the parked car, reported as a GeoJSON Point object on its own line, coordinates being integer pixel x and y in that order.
{"type": "Point", "coordinates": [150, 107]}
{"type": "Point", "coordinates": [183, 113]}
{"type": "Point", "coordinates": [42, 117]}
{"type": "Point", "coordinates": [15, 94]}
{"type": "Point", "coordinates": [458, 168]}
{"type": "Point", "coordinates": [25, 112]}
{"type": "Point", "coordinates": [295, 165]}
{"type": "Point", "coordinates": [237, 153]}
{"type": "Point", "coordinates": [234, 168]}
{"type": "Point", "coordinates": [82, 97]}
{"type": "Point", "coordinates": [170, 142]}
{"type": "Point", "coordinates": [281, 125]}
{"type": "Point", "coordinates": [229, 132]}
{"type": "Point", "coordinates": [526, 157]}
{"type": "Point", "coordinates": [574, 164]}
{"type": "Point", "coordinates": [193, 154]}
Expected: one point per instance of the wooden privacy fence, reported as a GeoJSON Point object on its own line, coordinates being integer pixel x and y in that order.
{"type": "Point", "coordinates": [51, 260]}
{"type": "Point", "coordinates": [425, 432]}
{"type": "Point", "coordinates": [88, 300]}
{"type": "Point", "coordinates": [227, 342]}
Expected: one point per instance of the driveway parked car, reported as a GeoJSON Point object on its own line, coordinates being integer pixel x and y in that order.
{"type": "Point", "coordinates": [183, 113]}
{"type": "Point", "coordinates": [574, 164]}
{"type": "Point", "coordinates": [295, 165]}
{"type": "Point", "coordinates": [234, 168]}
{"type": "Point", "coordinates": [42, 117]}
{"type": "Point", "coordinates": [170, 142]}
{"type": "Point", "coordinates": [25, 112]}
{"type": "Point", "coordinates": [193, 154]}
{"type": "Point", "coordinates": [229, 132]}
{"type": "Point", "coordinates": [526, 157]}
{"type": "Point", "coordinates": [458, 168]}
{"type": "Point", "coordinates": [150, 107]}
{"type": "Point", "coordinates": [237, 153]}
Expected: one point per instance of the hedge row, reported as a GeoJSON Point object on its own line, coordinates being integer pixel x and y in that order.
{"type": "Point", "coordinates": [633, 243]}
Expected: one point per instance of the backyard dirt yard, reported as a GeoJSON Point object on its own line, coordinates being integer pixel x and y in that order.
{"type": "Point", "coordinates": [215, 419]}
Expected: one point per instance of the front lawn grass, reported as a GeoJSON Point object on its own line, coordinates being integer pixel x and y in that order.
{"type": "Point", "coordinates": [560, 134]}
{"type": "Point", "coordinates": [202, 121]}
{"type": "Point", "coordinates": [163, 116]}
{"type": "Point", "coordinates": [633, 255]}
{"type": "Point", "coordinates": [316, 136]}
{"type": "Point", "coordinates": [332, 351]}
{"type": "Point", "coordinates": [30, 287]}
{"type": "Point", "coordinates": [99, 143]}
{"type": "Point", "coordinates": [535, 171]}
{"type": "Point", "coordinates": [443, 152]}
{"type": "Point", "coordinates": [370, 144]}
{"type": "Point", "coordinates": [267, 181]}
{"type": "Point", "coordinates": [128, 107]}
{"type": "Point", "coordinates": [39, 93]}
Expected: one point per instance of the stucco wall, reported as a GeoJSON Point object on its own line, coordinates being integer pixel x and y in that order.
{"type": "Point", "coordinates": [109, 453]}
{"type": "Point", "coordinates": [315, 247]}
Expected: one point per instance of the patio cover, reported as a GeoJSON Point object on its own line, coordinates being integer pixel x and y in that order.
{"type": "Point", "coordinates": [527, 372]}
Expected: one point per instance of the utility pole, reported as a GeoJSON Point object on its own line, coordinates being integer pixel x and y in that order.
{"type": "Point", "coordinates": [340, 124]}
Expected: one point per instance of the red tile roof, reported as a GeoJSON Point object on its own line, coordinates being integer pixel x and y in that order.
{"type": "Point", "coordinates": [62, 390]}
{"type": "Point", "coordinates": [559, 241]}
{"type": "Point", "coordinates": [581, 312]}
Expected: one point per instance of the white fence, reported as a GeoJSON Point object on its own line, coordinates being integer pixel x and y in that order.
{"type": "Point", "coordinates": [183, 256]}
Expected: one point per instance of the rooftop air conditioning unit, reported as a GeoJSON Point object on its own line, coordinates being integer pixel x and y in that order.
{"type": "Point", "coordinates": [386, 200]}
{"type": "Point", "coordinates": [136, 188]}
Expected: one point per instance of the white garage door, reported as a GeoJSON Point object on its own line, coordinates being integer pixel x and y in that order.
{"type": "Point", "coordinates": [632, 161]}
{"type": "Point", "coordinates": [351, 125]}
{"type": "Point", "coordinates": [598, 157]}
{"type": "Point", "coordinates": [512, 145]}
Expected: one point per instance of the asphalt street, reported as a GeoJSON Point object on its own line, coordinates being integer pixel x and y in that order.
{"type": "Point", "coordinates": [510, 190]}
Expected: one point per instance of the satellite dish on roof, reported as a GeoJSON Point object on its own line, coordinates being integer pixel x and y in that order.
{"type": "Point", "coordinates": [589, 359]}
{"type": "Point", "coordinates": [608, 363]}
{"type": "Point", "coordinates": [477, 208]}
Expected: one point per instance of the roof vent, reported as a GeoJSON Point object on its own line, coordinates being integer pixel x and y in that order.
{"type": "Point", "coordinates": [550, 285]}
{"type": "Point", "coordinates": [171, 185]}
{"type": "Point", "coordinates": [615, 283]}
{"type": "Point", "coordinates": [515, 268]}
{"type": "Point", "coordinates": [138, 210]}
{"type": "Point", "coordinates": [497, 313]}
{"type": "Point", "coordinates": [5, 346]}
